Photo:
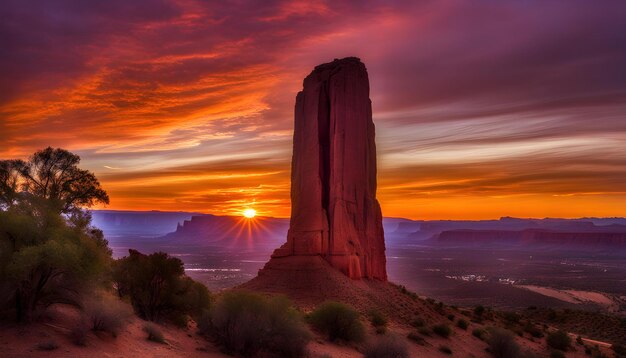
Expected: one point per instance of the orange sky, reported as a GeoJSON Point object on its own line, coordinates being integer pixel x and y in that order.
{"type": "Point", "coordinates": [482, 109]}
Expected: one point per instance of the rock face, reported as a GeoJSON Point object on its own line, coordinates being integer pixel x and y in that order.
{"type": "Point", "coordinates": [334, 212]}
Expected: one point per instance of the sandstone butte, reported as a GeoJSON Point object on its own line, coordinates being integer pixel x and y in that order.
{"type": "Point", "coordinates": [334, 214]}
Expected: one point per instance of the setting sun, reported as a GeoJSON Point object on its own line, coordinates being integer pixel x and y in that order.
{"type": "Point", "coordinates": [249, 213]}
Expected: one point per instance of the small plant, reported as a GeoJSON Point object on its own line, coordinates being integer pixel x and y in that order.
{"type": "Point", "coordinates": [416, 338]}
{"type": "Point", "coordinates": [47, 346]}
{"type": "Point", "coordinates": [502, 344]}
{"type": "Point", "coordinates": [154, 333]}
{"type": "Point", "coordinates": [559, 340]}
{"type": "Point", "coordinates": [106, 315]}
{"type": "Point", "coordinates": [479, 333]}
{"type": "Point", "coordinates": [462, 324]}
{"type": "Point", "coordinates": [248, 324]}
{"type": "Point", "coordinates": [451, 317]}
{"type": "Point", "coordinates": [445, 349]}
{"type": "Point", "coordinates": [424, 331]}
{"type": "Point", "coordinates": [78, 334]}
{"type": "Point", "coordinates": [417, 322]}
{"type": "Point", "coordinates": [579, 340]}
{"type": "Point", "coordinates": [557, 354]}
{"type": "Point", "coordinates": [442, 330]}
{"type": "Point", "coordinates": [479, 310]}
{"type": "Point", "coordinates": [533, 330]}
{"type": "Point", "coordinates": [338, 321]}
{"type": "Point", "coordinates": [377, 319]}
{"type": "Point", "coordinates": [512, 317]}
{"type": "Point", "coordinates": [387, 347]}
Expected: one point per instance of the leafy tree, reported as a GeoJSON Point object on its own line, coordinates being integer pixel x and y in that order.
{"type": "Point", "coordinates": [158, 287]}
{"type": "Point", "coordinates": [49, 253]}
{"type": "Point", "coordinates": [53, 176]}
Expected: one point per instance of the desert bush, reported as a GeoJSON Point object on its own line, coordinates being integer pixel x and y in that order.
{"type": "Point", "coordinates": [78, 334]}
{"type": "Point", "coordinates": [154, 332]}
{"type": "Point", "coordinates": [512, 317]}
{"type": "Point", "coordinates": [479, 333]}
{"type": "Point", "coordinates": [425, 331]}
{"type": "Point", "coordinates": [620, 350]}
{"type": "Point", "coordinates": [377, 319]}
{"type": "Point", "coordinates": [416, 338]}
{"type": "Point", "coordinates": [417, 322]}
{"type": "Point", "coordinates": [106, 314]}
{"type": "Point", "coordinates": [387, 347]}
{"type": "Point", "coordinates": [533, 330]}
{"type": "Point", "coordinates": [381, 330]}
{"type": "Point", "coordinates": [557, 354]}
{"type": "Point", "coordinates": [47, 346]}
{"type": "Point", "coordinates": [248, 324]}
{"type": "Point", "coordinates": [559, 340]}
{"type": "Point", "coordinates": [502, 344]}
{"type": "Point", "coordinates": [158, 287]}
{"type": "Point", "coordinates": [462, 324]}
{"type": "Point", "coordinates": [479, 310]}
{"type": "Point", "coordinates": [339, 321]}
{"type": "Point", "coordinates": [442, 330]}
{"type": "Point", "coordinates": [445, 349]}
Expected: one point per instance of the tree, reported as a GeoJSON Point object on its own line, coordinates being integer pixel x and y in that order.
{"type": "Point", "coordinates": [158, 287]}
{"type": "Point", "coordinates": [9, 181]}
{"type": "Point", "coordinates": [49, 252]}
{"type": "Point", "coordinates": [51, 175]}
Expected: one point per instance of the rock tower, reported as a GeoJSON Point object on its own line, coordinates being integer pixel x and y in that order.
{"type": "Point", "coordinates": [334, 211]}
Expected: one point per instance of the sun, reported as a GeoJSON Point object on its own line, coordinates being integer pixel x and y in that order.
{"type": "Point", "coordinates": [249, 213]}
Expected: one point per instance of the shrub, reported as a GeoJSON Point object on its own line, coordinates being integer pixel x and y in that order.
{"type": "Point", "coordinates": [417, 322]}
{"type": "Point", "coordinates": [47, 346]}
{"type": "Point", "coordinates": [479, 310]}
{"type": "Point", "coordinates": [620, 351]}
{"type": "Point", "coordinates": [158, 287]}
{"type": "Point", "coordinates": [442, 330]}
{"type": "Point", "coordinates": [387, 347]}
{"type": "Point", "coordinates": [424, 331]}
{"type": "Point", "coordinates": [377, 319]}
{"type": "Point", "coordinates": [78, 334]}
{"type": "Point", "coordinates": [462, 324]}
{"type": "Point", "coordinates": [445, 349]}
{"type": "Point", "coordinates": [338, 321]}
{"type": "Point", "coordinates": [502, 344]}
{"type": "Point", "coordinates": [512, 317]}
{"type": "Point", "coordinates": [533, 330]}
{"type": "Point", "coordinates": [248, 324]}
{"type": "Point", "coordinates": [559, 340]}
{"type": "Point", "coordinates": [154, 333]}
{"type": "Point", "coordinates": [381, 330]}
{"type": "Point", "coordinates": [106, 315]}
{"type": "Point", "coordinates": [416, 338]}
{"type": "Point", "coordinates": [451, 317]}
{"type": "Point", "coordinates": [479, 333]}
{"type": "Point", "coordinates": [557, 354]}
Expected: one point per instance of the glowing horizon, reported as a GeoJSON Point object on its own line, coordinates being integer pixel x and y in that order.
{"type": "Point", "coordinates": [482, 110]}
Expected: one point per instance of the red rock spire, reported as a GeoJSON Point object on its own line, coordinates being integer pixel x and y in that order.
{"type": "Point", "coordinates": [334, 212]}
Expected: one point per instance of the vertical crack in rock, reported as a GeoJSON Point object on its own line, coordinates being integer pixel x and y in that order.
{"type": "Point", "coordinates": [334, 211]}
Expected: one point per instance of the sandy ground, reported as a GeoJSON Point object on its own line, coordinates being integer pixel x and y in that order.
{"type": "Point", "coordinates": [572, 296]}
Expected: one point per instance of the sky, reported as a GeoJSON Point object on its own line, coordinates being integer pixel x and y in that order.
{"type": "Point", "coordinates": [482, 108]}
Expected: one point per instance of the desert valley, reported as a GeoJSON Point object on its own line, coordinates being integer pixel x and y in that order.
{"type": "Point", "coordinates": [313, 179]}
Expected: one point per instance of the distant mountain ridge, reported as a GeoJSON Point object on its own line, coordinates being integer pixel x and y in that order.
{"type": "Point", "coordinates": [206, 229]}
